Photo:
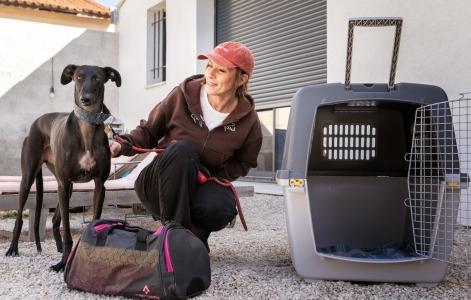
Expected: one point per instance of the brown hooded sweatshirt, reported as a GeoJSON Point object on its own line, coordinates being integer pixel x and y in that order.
{"type": "Point", "coordinates": [228, 151]}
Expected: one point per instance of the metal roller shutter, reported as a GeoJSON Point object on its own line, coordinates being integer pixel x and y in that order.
{"type": "Point", "coordinates": [288, 39]}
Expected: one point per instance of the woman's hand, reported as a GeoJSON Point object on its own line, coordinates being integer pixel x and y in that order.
{"type": "Point", "coordinates": [115, 148]}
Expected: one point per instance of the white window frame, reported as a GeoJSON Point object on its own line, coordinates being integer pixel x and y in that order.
{"type": "Point", "coordinates": [156, 69]}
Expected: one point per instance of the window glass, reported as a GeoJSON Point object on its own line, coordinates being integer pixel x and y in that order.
{"type": "Point", "coordinates": [265, 158]}
{"type": "Point", "coordinates": [281, 125]}
{"type": "Point", "coordinates": [156, 44]}
{"type": "Point", "coordinates": [274, 125]}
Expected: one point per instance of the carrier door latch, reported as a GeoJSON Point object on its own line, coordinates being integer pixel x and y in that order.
{"type": "Point", "coordinates": [457, 181]}
{"type": "Point", "coordinates": [296, 183]}
{"type": "Point", "coordinates": [288, 179]}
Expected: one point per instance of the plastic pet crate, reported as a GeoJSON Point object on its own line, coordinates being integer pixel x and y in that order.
{"type": "Point", "coordinates": [346, 173]}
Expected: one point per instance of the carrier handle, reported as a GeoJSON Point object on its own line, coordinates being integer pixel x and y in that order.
{"type": "Point", "coordinates": [373, 22]}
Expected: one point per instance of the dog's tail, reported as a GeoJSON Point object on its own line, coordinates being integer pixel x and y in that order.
{"type": "Point", "coordinates": [39, 206]}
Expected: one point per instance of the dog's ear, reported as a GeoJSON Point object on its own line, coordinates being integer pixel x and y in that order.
{"type": "Point", "coordinates": [113, 75]}
{"type": "Point", "coordinates": [68, 74]}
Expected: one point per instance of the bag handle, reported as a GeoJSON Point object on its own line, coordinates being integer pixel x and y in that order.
{"type": "Point", "coordinates": [141, 235]}
{"type": "Point", "coordinates": [102, 229]}
{"type": "Point", "coordinates": [373, 22]}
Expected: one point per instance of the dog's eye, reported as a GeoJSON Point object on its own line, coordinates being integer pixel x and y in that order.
{"type": "Point", "coordinates": [79, 77]}
{"type": "Point", "coordinates": [97, 79]}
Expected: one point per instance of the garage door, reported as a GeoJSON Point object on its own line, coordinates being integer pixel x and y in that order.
{"type": "Point", "coordinates": [288, 39]}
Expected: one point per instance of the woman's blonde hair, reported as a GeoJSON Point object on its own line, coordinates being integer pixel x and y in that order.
{"type": "Point", "coordinates": [243, 89]}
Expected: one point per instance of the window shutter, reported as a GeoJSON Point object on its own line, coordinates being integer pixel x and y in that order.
{"type": "Point", "coordinates": [288, 39]}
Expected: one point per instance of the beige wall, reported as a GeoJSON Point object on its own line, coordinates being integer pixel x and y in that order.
{"type": "Point", "coordinates": [28, 46]}
{"type": "Point", "coordinates": [35, 36]}
{"type": "Point", "coordinates": [435, 43]}
{"type": "Point", "coordinates": [190, 29]}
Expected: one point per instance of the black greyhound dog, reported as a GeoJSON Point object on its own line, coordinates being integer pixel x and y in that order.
{"type": "Point", "coordinates": [74, 147]}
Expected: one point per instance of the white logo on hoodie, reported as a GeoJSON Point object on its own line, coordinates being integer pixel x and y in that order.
{"type": "Point", "coordinates": [230, 126]}
{"type": "Point", "coordinates": [199, 120]}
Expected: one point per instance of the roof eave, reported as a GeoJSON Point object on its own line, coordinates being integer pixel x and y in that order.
{"type": "Point", "coordinates": [59, 9]}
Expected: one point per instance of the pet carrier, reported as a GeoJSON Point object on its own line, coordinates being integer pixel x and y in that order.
{"type": "Point", "coordinates": [345, 179]}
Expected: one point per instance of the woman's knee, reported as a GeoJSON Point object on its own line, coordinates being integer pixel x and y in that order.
{"type": "Point", "coordinates": [213, 208]}
{"type": "Point", "coordinates": [178, 156]}
{"type": "Point", "coordinates": [182, 148]}
{"type": "Point", "coordinates": [212, 219]}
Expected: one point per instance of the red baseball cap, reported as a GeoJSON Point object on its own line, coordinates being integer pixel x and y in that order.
{"type": "Point", "coordinates": [231, 55]}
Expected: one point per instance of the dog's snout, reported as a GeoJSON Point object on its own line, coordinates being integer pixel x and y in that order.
{"type": "Point", "coordinates": [85, 98]}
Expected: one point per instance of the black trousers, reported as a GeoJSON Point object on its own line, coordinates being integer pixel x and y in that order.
{"type": "Point", "coordinates": [168, 188]}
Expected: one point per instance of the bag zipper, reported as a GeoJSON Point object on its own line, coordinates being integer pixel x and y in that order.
{"type": "Point", "coordinates": [168, 259]}
{"type": "Point", "coordinates": [106, 226]}
{"type": "Point", "coordinates": [166, 251]}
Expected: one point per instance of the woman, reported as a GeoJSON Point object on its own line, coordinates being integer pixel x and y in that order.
{"type": "Point", "coordinates": [207, 123]}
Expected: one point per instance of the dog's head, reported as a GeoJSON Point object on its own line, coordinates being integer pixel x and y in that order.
{"type": "Point", "coordinates": [89, 84]}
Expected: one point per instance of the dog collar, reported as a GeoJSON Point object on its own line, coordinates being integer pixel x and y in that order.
{"type": "Point", "coordinates": [90, 117]}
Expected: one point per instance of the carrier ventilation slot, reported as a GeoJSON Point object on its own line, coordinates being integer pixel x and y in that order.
{"type": "Point", "coordinates": [357, 106]}
{"type": "Point", "coordinates": [349, 142]}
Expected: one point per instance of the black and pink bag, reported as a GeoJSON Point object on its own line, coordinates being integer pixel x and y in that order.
{"type": "Point", "coordinates": [115, 258]}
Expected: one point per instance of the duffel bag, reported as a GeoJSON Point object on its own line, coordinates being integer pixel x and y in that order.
{"type": "Point", "coordinates": [115, 258]}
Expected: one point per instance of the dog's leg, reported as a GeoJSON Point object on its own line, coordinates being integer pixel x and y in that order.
{"type": "Point", "coordinates": [39, 206]}
{"type": "Point", "coordinates": [65, 189]}
{"type": "Point", "coordinates": [30, 165]}
{"type": "Point", "coordinates": [25, 186]}
{"type": "Point", "coordinates": [98, 198]}
{"type": "Point", "coordinates": [56, 223]}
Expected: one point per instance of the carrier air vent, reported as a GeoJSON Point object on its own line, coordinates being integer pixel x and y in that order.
{"type": "Point", "coordinates": [349, 142]}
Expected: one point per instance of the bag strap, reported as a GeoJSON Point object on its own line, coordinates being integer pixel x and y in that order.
{"type": "Point", "coordinates": [373, 22]}
{"type": "Point", "coordinates": [101, 237]}
{"type": "Point", "coordinates": [141, 240]}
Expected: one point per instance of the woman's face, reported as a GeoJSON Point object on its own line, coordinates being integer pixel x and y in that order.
{"type": "Point", "coordinates": [222, 81]}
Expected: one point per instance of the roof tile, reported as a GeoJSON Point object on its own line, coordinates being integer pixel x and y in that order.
{"type": "Point", "coordinates": [86, 7]}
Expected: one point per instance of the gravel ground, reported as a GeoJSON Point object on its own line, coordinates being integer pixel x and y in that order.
{"type": "Point", "coordinates": [252, 265]}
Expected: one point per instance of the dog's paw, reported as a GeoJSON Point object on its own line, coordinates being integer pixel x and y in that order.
{"type": "Point", "coordinates": [58, 267]}
{"type": "Point", "coordinates": [12, 251]}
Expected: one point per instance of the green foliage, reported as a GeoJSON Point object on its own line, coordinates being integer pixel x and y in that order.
{"type": "Point", "coordinates": [10, 214]}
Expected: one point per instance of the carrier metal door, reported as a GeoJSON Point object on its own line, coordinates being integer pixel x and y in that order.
{"type": "Point", "coordinates": [438, 181]}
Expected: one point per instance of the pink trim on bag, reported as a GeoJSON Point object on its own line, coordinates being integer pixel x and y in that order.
{"type": "Point", "coordinates": [168, 261]}
{"type": "Point", "coordinates": [105, 226]}
{"type": "Point", "coordinates": [158, 230]}
{"type": "Point", "coordinates": [71, 252]}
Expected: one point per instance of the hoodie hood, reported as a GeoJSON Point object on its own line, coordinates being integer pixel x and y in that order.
{"type": "Point", "coordinates": [191, 88]}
